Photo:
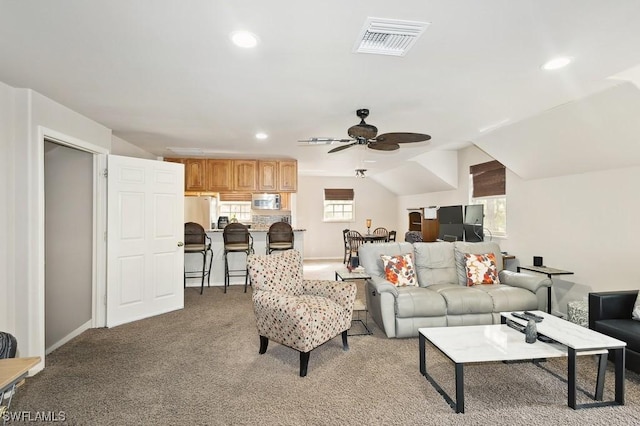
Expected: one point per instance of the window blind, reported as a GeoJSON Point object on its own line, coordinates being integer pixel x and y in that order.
{"type": "Point", "coordinates": [488, 179]}
{"type": "Point", "coordinates": [338, 194]}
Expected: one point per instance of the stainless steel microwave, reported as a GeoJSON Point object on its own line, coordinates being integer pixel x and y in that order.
{"type": "Point", "coordinates": [265, 201]}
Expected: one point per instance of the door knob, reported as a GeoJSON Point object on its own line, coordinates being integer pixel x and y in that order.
{"type": "Point", "coordinates": [180, 243]}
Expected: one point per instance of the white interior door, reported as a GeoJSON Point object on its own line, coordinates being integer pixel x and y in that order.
{"type": "Point", "coordinates": [145, 230]}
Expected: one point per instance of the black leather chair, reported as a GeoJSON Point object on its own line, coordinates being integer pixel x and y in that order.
{"type": "Point", "coordinates": [610, 314]}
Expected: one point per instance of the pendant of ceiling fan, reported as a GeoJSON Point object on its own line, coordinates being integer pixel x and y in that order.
{"type": "Point", "coordinates": [367, 134]}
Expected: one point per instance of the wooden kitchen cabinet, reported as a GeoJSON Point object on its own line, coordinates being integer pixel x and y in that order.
{"type": "Point", "coordinates": [219, 175]}
{"type": "Point", "coordinates": [195, 174]}
{"type": "Point", "coordinates": [267, 175]}
{"type": "Point", "coordinates": [288, 176]}
{"type": "Point", "coordinates": [245, 175]}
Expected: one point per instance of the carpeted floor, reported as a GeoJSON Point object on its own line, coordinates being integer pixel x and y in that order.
{"type": "Point", "coordinates": [200, 366]}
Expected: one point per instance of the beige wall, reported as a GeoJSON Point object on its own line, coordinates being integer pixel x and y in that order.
{"type": "Point", "coordinates": [323, 240]}
{"type": "Point", "coordinates": [585, 223]}
{"type": "Point", "coordinates": [68, 241]}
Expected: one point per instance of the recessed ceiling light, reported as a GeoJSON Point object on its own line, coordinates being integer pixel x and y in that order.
{"type": "Point", "coordinates": [557, 63]}
{"type": "Point", "coordinates": [261, 135]}
{"type": "Point", "coordinates": [244, 39]}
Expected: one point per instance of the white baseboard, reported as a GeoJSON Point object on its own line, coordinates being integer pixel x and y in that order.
{"type": "Point", "coordinates": [84, 327]}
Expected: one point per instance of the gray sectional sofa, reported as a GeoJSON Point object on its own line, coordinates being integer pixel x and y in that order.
{"type": "Point", "coordinates": [442, 298]}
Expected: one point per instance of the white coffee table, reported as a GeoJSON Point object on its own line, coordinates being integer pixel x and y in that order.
{"type": "Point", "coordinates": [499, 342]}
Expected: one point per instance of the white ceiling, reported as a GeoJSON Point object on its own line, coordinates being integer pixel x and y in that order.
{"type": "Point", "coordinates": [163, 73]}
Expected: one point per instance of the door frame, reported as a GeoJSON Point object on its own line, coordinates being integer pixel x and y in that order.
{"type": "Point", "coordinates": [99, 257]}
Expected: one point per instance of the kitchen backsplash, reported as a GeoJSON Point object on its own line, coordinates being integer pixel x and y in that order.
{"type": "Point", "coordinates": [267, 220]}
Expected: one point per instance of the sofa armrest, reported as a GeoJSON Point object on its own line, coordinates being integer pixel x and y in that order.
{"type": "Point", "coordinates": [611, 305]}
{"type": "Point", "coordinates": [528, 282]}
{"type": "Point", "coordinates": [341, 292]}
{"type": "Point", "coordinates": [383, 286]}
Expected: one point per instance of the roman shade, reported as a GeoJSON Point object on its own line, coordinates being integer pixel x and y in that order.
{"type": "Point", "coordinates": [488, 179]}
{"type": "Point", "coordinates": [338, 194]}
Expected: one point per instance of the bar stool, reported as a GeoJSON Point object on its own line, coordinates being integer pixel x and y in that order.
{"type": "Point", "coordinates": [279, 237]}
{"type": "Point", "coordinates": [196, 240]}
{"type": "Point", "coordinates": [237, 239]}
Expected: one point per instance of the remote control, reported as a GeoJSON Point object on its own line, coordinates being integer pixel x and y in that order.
{"type": "Point", "coordinates": [515, 325]}
{"type": "Point", "coordinates": [532, 315]}
{"type": "Point", "coordinates": [526, 317]}
{"type": "Point", "coordinates": [545, 339]}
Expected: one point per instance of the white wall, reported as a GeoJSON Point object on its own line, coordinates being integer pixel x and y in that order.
{"type": "Point", "coordinates": [121, 147]}
{"type": "Point", "coordinates": [584, 223]}
{"type": "Point", "coordinates": [7, 271]}
{"type": "Point", "coordinates": [36, 116]}
{"type": "Point", "coordinates": [323, 240]}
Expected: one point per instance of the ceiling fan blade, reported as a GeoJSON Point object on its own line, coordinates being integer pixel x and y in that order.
{"type": "Point", "coordinates": [363, 130]}
{"type": "Point", "coordinates": [401, 137]}
{"type": "Point", "coordinates": [323, 141]}
{"type": "Point", "coordinates": [340, 148]}
{"type": "Point", "coordinates": [383, 146]}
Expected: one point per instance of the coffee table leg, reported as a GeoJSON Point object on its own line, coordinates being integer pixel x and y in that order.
{"type": "Point", "coordinates": [423, 363]}
{"type": "Point", "coordinates": [602, 370]}
{"type": "Point", "coordinates": [459, 388]}
{"type": "Point", "coordinates": [571, 378]}
{"type": "Point", "coordinates": [619, 356]}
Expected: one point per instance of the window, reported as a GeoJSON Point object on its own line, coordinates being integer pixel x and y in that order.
{"type": "Point", "coordinates": [235, 205]}
{"type": "Point", "coordinates": [241, 210]}
{"type": "Point", "coordinates": [487, 186]}
{"type": "Point", "coordinates": [338, 205]}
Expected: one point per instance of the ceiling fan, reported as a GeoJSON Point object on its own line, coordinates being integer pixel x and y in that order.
{"type": "Point", "coordinates": [367, 134]}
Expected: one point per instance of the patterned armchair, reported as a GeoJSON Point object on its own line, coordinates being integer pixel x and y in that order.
{"type": "Point", "coordinates": [298, 313]}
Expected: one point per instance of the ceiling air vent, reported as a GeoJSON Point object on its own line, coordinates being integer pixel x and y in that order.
{"type": "Point", "coordinates": [388, 36]}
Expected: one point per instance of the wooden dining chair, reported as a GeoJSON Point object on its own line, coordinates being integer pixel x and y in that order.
{"type": "Point", "coordinates": [355, 239]}
{"type": "Point", "coordinates": [383, 233]}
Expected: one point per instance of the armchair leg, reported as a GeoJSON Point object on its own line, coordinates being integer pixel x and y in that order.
{"type": "Point", "coordinates": [304, 363]}
{"type": "Point", "coordinates": [345, 344]}
{"type": "Point", "coordinates": [264, 342]}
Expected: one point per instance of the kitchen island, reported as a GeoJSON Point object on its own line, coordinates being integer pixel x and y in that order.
{"type": "Point", "coordinates": [193, 262]}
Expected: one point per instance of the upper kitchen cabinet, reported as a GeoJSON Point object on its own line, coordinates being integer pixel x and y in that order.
{"type": "Point", "coordinates": [267, 175]}
{"type": "Point", "coordinates": [288, 176]}
{"type": "Point", "coordinates": [195, 174]}
{"type": "Point", "coordinates": [219, 175]}
{"type": "Point", "coordinates": [245, 175]}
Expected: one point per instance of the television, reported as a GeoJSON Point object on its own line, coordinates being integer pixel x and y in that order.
{"type": "Point", "coordinates": [474, 223]}
{"type": "Point", "coordinates": [450, 222]}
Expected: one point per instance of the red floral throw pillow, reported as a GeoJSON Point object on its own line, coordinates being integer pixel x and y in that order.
{"type": "Point", "coordinates": [481, 269]}
{"type": "Point", "coordinates": [399, 270]}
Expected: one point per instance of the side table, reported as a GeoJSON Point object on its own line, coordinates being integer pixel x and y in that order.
{"type": "Point", "coordinates": [344, 274]}
{"type": "Point", "coordinates": [550, 273]}
{"type": "Point", "coordinates": [12, 371]}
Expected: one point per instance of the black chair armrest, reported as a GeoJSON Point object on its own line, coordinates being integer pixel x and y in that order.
{"type": "Point", "coordinates": [611, 305]}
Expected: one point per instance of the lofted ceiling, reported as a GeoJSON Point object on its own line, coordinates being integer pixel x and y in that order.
{"type": "Point", "coordinates": [163, 74]}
